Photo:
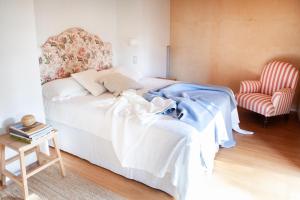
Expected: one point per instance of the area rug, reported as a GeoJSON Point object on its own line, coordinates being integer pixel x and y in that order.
{"type": "Point", "coordinates": [49, 184]}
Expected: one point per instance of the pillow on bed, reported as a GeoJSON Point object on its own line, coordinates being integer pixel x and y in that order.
{"type": "Point", "coordinates": [62, 89]}
{"type": "Point", "coordinates": [88, 79]}
{"type": "Point", "coordinates": [116, 83]}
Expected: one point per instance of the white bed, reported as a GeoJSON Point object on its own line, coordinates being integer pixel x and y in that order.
{"type": "Point", "coordinates": [174, 156]}
{"type": "Point", "coordinates": [79, 123]}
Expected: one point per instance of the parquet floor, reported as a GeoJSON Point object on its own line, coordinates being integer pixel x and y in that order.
{"type": "Point", "coordinates": [265, 165]}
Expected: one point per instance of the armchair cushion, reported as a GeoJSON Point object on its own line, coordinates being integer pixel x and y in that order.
{"type": "Point", "coordinates": [250, 87]}
{"type": "Point", "coordinates": [256, 102]}
{"type": "Point", "coordinates": [282, 100]}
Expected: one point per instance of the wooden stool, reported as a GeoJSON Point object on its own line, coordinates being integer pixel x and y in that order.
{"type": "Point", "coordinates": [24, 149]}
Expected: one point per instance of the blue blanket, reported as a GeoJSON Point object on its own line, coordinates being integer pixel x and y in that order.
{"type": "Point", "coordinates": [197, 105]}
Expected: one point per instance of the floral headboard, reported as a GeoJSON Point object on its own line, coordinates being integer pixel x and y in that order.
{"type": "Point", "coordinates": [72, 51]}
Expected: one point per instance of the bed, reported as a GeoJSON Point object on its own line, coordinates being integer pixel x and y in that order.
{"type": "Point", "coordinates": [80, 124]}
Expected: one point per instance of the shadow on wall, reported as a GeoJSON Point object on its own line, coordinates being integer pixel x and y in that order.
{"type": "Point", "coordinates": [293, 59]}
{"type": "Point", "coordinates": [5, 124]}
{"type": "Point", "coordinates": [236, 87]}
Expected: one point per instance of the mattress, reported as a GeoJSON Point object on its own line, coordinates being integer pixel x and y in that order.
{"type": "Point", "coordinates": [87, 112]}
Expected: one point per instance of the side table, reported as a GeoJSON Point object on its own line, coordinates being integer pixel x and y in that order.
{"type": "Point", "coordinates": [24, 149]}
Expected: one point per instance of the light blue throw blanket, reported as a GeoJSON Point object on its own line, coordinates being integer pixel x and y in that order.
{"type": "Point", "coordinates": [197, 105]}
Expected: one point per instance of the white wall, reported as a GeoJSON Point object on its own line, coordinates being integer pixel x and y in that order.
{"type": "Point", "coordinates": [147, 21]}
{"type": "Point", "coordinates": [19, 71]}
{"type": "Point", "coordinates": [20, 87]}
{"type": "Point", "coordinates": [26, 24]}
{"type": "Point", "coordinates": [115, 21]}
{"type": "Point", "coordinates": [95, 16]}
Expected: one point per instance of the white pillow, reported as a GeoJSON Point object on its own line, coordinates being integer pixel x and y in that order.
{"type": "Point", "coordinates": [62, 89]}
{"type": "Point", "coordinates": [88, 79]}
{"type": "Point", "coordinates": [116, 83]}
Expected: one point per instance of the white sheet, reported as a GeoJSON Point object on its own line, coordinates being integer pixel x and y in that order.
{"type": "Point", "coordinates": [87, 112]}
{"type": "Point", "coordinates": [185, 168]}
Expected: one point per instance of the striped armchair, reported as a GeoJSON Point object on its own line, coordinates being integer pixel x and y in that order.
{"type": "Point", "coordinates": [273, 94]}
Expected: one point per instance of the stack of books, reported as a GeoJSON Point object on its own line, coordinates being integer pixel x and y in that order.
{"type": "Point", "coordinates": [29, 134]}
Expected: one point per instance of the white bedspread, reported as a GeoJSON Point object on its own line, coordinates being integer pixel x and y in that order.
{"type": "Point", "coordinates": [166, 145]}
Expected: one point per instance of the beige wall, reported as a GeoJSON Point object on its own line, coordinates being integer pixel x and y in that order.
{"type": "Point", "coordinates": [147, 22]}
{"type": "Point", "coordinates": [226, 41]}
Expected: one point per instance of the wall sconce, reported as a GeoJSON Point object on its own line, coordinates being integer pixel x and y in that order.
{"type": "Point", "coordinates": [133, 42]}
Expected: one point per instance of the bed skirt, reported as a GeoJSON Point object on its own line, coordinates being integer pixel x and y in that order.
{"type": "Point", "coordinates": [100, 152]}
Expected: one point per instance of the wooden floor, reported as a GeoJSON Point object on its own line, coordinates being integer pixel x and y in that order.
{"type": "Point", "coordinates": [265, 165]}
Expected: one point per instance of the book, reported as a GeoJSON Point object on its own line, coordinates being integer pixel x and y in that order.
{"type": "Point", "coordinates": [33, 136]}
{"type": "Point", "coordinates": [20, 139]}
{"type": "Point", "coordinates": [41, 133]}
{"type": "Point", "coordinates": [29, 131]}
{"type": "Point", "coordinates": [28, 140]}
{"type": "Point", "coordinates": [19, 136]}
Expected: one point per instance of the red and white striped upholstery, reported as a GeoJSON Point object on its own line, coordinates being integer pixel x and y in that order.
{"type": "Point", "coordinates": [282, 100]}
{"type": "Point", "coordinates": [250, 87]}
{"type": "Point", "coordinates": [277, 75]}
{"type": "Point", "coordinates": [273, 94]}
{"type": "Point", "coordinates": [256, 102]}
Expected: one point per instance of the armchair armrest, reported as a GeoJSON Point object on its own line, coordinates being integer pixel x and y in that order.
{"type": "Point", "coordinates": [282, 100]}
{"type": "Point", "coordinates": [250, 87]}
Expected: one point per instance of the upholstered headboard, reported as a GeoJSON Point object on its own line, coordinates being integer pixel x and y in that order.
{"type": "Point", "coordinates": [72, 51]}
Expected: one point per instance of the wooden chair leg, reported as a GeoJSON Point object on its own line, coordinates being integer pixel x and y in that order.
{"type": "Point", "coordinates": [2, 165]}
{"type": "Point", "coordinates": [286, 117]}
{"type": "Point", "coordinates": [61, 165]}
{"type": "Point", "coordinates": [37, 151]}
{"type": "Point", "coordinates": [24, 175]}
{"type": "Point", "coordinates": [266, 121]}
